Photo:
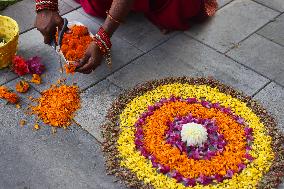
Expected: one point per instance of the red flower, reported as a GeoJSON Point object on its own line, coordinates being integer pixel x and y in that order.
{"type": "Point", "coordinates": [20, 66]}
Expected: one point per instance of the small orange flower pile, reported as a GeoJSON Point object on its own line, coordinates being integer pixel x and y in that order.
{"type": "Point", "coordinates": [22, 86]}
{"type": "Point", "coordinates": [70, 68]}
{"type": "Point", "coordinates": [36, 79]}
{"type": "Point", "coordinates": [75, 43]}
{"type": "Point", "coordinates": [6, 94]}
{"type": "Point", "coordinates": [57, 105]}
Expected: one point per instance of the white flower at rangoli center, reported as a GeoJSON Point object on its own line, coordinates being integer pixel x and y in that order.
{"type": "Point", "coordinates": [193, 134]}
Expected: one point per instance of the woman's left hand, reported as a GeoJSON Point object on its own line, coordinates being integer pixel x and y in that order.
{"type": "Point", "coordinates": [91, 60]}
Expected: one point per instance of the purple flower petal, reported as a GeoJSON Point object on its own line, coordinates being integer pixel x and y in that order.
{"type": "Point", "coordinates": [139, 131]}
{"type": "Point", "coordinates": [179, 146]}
{"type": "Point", "coordinates": [250, 138]}
{"type": "Point", "coordinates": [191, 100]}
{"type": "Point", "coordinates": [216, 105]}
{"type": "Point", "coordinates": [163, 100]}
{"type": "Point", "coordinates": [158, 105]}
{"type": "Point", "coordinates": [144, 152]}
{"type": "Point", "coordinates": [211, 153]}
{"type": "Point", "coordinates": [151, 108]}
{"type": "Point", "coordinates": [138, 142]}
{"type": "Point", "coordinates": [205, 180]}
{"type": "Point", "coordinates": [248, 131]}
{"type": "Point", "coordinates": [140, 121]}
{"type": "Point", "coordinates": [35, 66]}
{"type": "Point", "coordinates": [205, 104]}
{"type": "Point", "coordinates": [230, 173]}
{"type": "Point", "coordinates": [249, 157]}
{"type": "Point", "coordinates": [164, 169]}
{"type": "Point", "coordinates": [241, 166]}
{"type": "Point", "coordinates": [189, 182]}
{"type": "Point", "coordinates": [195, 154]}
{"type": "Point", "coordinates": [248, 148]}
{"type": "Point", "coordinates": [154, 164]}
{"type": "Point", "coordinates": [177, 176]}
{"type": "Point", "coordinates": [240, 120]}
{"type": "Point", "coordinates": [226, 110]}
{"type": "Point", "coordinates": [219, 178]}
{"type": "Point", "coordinates": [172, 99]}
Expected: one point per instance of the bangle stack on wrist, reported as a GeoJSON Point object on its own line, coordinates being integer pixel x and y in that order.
{"type": "Point", "coordinates": [102, 40]}
{"type": "Point", "coordinates": [46, 5]}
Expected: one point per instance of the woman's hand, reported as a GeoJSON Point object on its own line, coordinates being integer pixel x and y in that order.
{"type": "Point", "coordinates": [47, 22]}
{"type": "Point", "coordinates": [91, 60]}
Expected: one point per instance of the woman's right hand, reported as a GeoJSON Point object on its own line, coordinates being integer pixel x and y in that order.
{"type": "Point", "coordinates": [47, 22]}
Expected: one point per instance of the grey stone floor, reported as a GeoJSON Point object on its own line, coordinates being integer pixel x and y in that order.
{"type": "Point", "coordinates": [242, 46]}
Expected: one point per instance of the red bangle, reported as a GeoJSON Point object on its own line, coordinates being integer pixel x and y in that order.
{"type": "Point", "coordinates": [101, 46]}
{"type": "Point", "coordinates": [105, 37]}
{"type": "Point", "coordinates": [46, 5]}
{"type": "Point", "coordinates": [102, 39]}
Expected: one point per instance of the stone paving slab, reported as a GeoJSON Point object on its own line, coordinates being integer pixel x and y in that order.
{"type": "Point", "coordinates": [6, 75]}
{"type": "Point", "coordinates": [137, 30]}
{"type": "Point", "coordinates": [69, 159]}
{"type": "Point", "coordinates": [185, 56]}
{"type": "Point", "coordinates": [95, 103]}
{"type": "Point", "coordinates": [272, 97]}
{"type": "Point", "coordinates": [232, 23]}
{"type": "Point", "coordinates": [24, 97]}
{"type": "Point", "coordinates": [275, 4]}
{"type": "Point", "coordinates": [24, 13]}
{"type": "Point", "coordinates": [261, 55]}
{"type": "Point", "coordinates": [222, 3]}
{"type": "Point", "coordinates": [274, 30]}
{"type": "Point", "coordinates": [72, 3]}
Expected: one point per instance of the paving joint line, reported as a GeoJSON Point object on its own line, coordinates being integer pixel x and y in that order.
{"type": "Point", "coordinates": [19, 77]}
{"type": "Point", "coordinates": [27, 30]}
{"type": "Point", "coordinates": [254, 32]}
{"type": "Point", "coordinates": [234, 60]}
{"type": "Point", "coordinates": [253, 95]}
{"type": "Point", "coordinates": [227, 57]}
{"type": "Point", "coordinates": [203, 43]}
{"type": "Point", "coordinates": [9, 81]}
{"type": "Point", "coordinates": [121, 88]}
{"type": "Point", "coordinates": [131, 61]}
{"type": "Point", "coordinates": [270, 39]}
{"type": "Point", "coordinates": [100, 24]}
{"type": "Point", "coordinates": [273, 80]}
{"type": "Point", "coordinates": [266, 6]}
{"type": "Point", "coordinates": [79, 125]}
{"type": "Point", "coordinates": [219, 8]}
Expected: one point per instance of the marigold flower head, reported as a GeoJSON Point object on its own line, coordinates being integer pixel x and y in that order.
{"type": "Point", "coordinates": [22, 86]}
{"type": "Point", "coordinates": [36, 79]}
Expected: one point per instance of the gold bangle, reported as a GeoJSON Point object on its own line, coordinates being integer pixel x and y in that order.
{"type": "Point", "coordinates": [112, 18]}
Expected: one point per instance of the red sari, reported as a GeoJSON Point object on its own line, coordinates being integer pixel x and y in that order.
{"type": "Point", "coordinates": [167, 14]}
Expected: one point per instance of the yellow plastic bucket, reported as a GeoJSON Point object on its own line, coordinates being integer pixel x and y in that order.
{"type": "Point", "coordinates": [9, 31]}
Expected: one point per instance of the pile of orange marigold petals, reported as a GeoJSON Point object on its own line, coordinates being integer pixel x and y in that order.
{"type": "Point", "coordinates": [75, 43]}
{"type": "Point", "coordinates": [6, 94]}
{"type": "Point", "coordinates": [57, 105]}
{"type": "Point", "coordinates": [70, 68]}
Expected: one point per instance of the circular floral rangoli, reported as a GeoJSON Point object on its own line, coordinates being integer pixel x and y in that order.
{"type": "Point", "coordinates": [192, 133]}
